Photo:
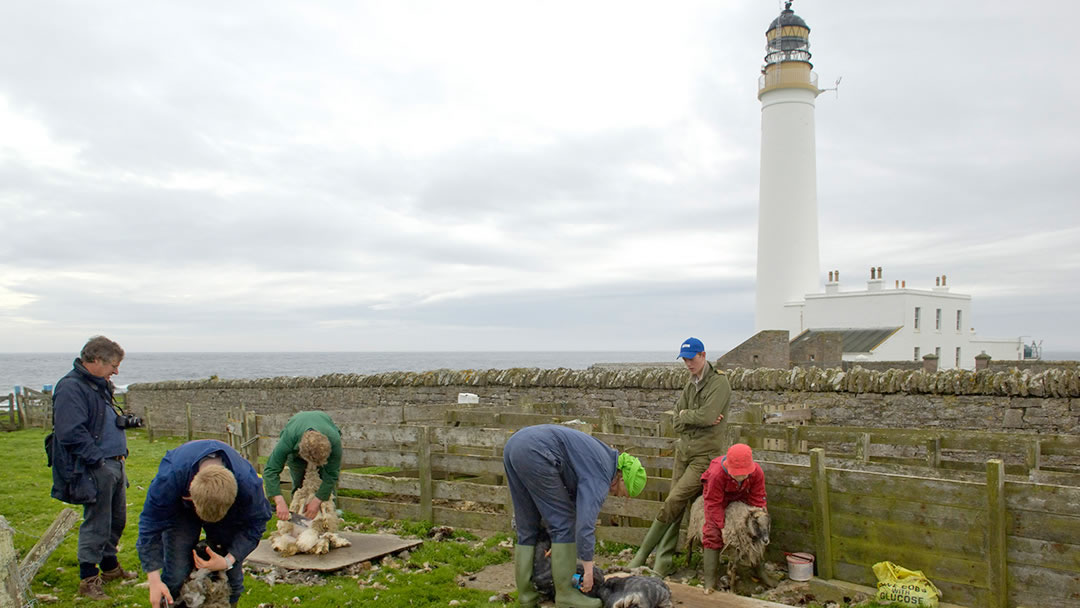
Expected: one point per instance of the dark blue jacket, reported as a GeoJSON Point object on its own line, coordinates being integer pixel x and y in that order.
{"type": "Point", "coordinates": [241, 528]}
{"type": "Point", "coordinates": [81, 401]}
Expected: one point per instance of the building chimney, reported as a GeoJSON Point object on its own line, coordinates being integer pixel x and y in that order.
{"type": "Point", "coordinates": [874, 284]}
{"type": "Point", "coordinates": [903, 284]}
{"type": "Point", "coordinates": [937, 281]}
{"type": "Point", "coordinates": [943, 280]}
{"type": "Point", "coordinates": [898, 283]}
{"type": "Point", "coordinates": [833, 286]}
{"type": "Point", "coordinates": [939, 284]}
{"type": "Point", "coordinates": [982, 361]}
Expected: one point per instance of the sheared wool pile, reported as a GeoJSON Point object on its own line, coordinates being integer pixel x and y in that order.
{"type": "Point", "coordinates": [205, 589]}
{"type": "Point", "coordinates": [321, 536]}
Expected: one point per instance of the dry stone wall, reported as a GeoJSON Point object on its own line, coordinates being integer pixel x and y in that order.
{"type": "Point", "coordinates": [1046, 401]}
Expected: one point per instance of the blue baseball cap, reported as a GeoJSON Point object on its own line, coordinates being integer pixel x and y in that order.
{"type": "Point", "coordinates": [690, 348]}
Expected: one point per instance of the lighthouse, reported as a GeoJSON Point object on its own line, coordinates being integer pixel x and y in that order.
{"type": "Point", "coordinates": [787, 248]}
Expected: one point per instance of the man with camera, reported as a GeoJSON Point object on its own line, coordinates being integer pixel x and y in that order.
{"type": "Point", "coordinates": [87, 451]}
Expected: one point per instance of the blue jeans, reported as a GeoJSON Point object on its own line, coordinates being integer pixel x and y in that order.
{"type": "Point", "coordinates": [103, 521]}
{"type": "Point", "coordinates": [179, 542]}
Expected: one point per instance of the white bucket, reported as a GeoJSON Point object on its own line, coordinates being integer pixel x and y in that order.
{"type": "Point", "coordinates": [800, 566]}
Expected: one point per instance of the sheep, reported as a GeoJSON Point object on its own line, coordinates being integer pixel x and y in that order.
{"type": "Point", "coordinates": [746, 535]}
{"type": "Point", "coordinates": [634, 592]}
{"type": "Point", "coordinates": [615, 592]}
{"type": "Point", "coordinates": [317, 538]}
{"type": "Point", "coordinates": [205, 589]}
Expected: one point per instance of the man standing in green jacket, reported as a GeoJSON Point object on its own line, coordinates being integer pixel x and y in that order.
{"type": "Point", "coordinates": [700, 422]}
{"type": "Point", "coordinates": [308, 438]}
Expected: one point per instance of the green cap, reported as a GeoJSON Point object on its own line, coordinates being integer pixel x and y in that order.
{"type": "Point", "coordinates": [633, 473]}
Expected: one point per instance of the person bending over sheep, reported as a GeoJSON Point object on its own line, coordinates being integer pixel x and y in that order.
{"type": "Point", "coordinates": [202, 484]}
{"type": "Point", "coordinates": [562, 476]}
{"type": "Point", "coordinates": [732, 478]}
{"type": "Point", "coordinates": [308, 438]}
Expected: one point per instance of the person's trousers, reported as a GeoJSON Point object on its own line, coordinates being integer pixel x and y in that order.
{"type": "Point", "coordinates": [104, 520]}
{"type": "Point", "coordinates": [179, 541]}
{"type": "Point", "coordinates": [539, 494]}
{"type": "Point", "coordinates": [685, 487]}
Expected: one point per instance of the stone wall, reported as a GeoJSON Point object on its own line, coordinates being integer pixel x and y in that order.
{"type": "Point", "coordinates": [1048, 401]}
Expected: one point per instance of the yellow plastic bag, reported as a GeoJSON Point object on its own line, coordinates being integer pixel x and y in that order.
{"type": "Point", "coordinates": [906, 587]}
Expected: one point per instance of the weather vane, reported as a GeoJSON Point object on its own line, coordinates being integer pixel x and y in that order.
{"type": "Point", "coordinates": [787, 5]}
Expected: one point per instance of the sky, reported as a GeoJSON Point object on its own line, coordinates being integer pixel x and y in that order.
{"type": "Point", "coordinates": [512, 175]}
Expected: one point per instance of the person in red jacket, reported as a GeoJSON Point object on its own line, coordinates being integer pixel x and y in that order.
{"type": "Point", "coordinates": [734, 477]}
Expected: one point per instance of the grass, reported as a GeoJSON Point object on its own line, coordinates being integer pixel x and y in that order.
{"type": "Point", "coordinates": [426, 577]}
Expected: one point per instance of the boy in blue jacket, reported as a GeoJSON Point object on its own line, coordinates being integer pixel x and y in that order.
{"type": "Point", "coordinates": [202, 484]}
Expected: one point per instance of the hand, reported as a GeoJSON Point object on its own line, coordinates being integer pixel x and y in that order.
{"type": "Point", "coordinates": [281, 509]}
{"type": "Point", "coordinates": [215, 563]}
{"type": "Point", "coordinates": [158, 589]}
{"type": "Point", "coordinates": [718, 419]}
{"type": "Point", "coordinates": [312, 508]}
{"type": "Point", "coordinates": [587, 578]}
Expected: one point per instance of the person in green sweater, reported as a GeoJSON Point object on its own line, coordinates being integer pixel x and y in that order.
{"type": "Point", "coordinates": [700, 421]}
{"type": "Point", "coordinates": [308, 438]}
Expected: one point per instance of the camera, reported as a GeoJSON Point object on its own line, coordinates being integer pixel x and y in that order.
{"type": "Point", "coordinates": [201, 549]}
{"type": "Point", "coordinates": [128, 421]}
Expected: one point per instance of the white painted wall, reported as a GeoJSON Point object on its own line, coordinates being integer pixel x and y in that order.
{"type": "Point", "coordinates": [787, 251]}
{"type": "Point", "coordinates": [896, 307]}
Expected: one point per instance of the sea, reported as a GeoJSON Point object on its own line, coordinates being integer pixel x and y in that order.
{"type": "Point", "coordinates": [39, 370]}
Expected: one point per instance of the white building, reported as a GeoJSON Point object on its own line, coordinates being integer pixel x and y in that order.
{"type": "Point", "coordinates": [877, 324]}
{"type": "Point", "coordinates": [898, 323]}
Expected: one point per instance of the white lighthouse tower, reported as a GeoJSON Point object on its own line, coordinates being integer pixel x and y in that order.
{"type": "Point", "coordinates": [787, 251]}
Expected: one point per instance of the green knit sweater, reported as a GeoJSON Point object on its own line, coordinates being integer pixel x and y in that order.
{"type": "Point", "coordinates": [285, 452]}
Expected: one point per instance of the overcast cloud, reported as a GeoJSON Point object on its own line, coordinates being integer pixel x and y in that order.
{"type": "Point", "coordinates": [494, 175]}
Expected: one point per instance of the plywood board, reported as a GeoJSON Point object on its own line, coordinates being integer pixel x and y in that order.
{"type": "Point", "coordinates": [364, 547]}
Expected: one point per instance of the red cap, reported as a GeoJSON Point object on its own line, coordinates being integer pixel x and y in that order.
{"type": "Point", "coordinates": [740, 460]}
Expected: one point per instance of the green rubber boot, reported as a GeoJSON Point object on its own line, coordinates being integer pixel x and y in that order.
{"type": "Point", "coordinates": [652, 537]}
{"type": "Point", "coordinates": [563, 569]}
{"type": "Point", "coordinates": [528, 597]}
{"type": "Point", "coordinates": [665, 550]}
{"type": "Point", "coordinates": [712, 568]}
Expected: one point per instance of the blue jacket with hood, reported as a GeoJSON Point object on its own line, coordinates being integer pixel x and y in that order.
{"type": "Point", "coordinates": [241, 528]}
{"type": "Point", "coordinates": [80, 406]}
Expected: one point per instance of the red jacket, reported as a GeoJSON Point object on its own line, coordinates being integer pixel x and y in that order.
{"type": "Point", "coordinates": [720, 489]}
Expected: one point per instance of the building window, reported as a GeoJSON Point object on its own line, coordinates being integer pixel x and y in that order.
{"type": "Point", "coordinates": [918, 313]}
{"type": "Point", "coordinates": [916, 348]}
{"type": "Point", "coordinates": [937, 352]}
{"type": "Point", "coordinates": [959, 320]}
{"type": "Point", "coordinates": [958, 357]}
{"type": "Point", "coordinates": [937, 320]}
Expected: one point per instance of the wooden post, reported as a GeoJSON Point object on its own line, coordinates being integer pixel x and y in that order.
{"type": "Point", "coordinates": [757, 417]}
{"type": "Point", "coordinates": [423, 464]}
{"type": "Point", "coordinates": [251, 440]}
{"type": "Point", "coordinates": [11, 594]}
{"type": "Point", "coordinates": [933, 453]}
{"type": "Point", "coordinates": [1034, 455]}
{"type": "Point", "coordinates": [17, 417]}
{"type": "Point", "coordinates": [822, 519]}
{"type": "Point", "coordinates": [997, 551]}
{"type": "Point", "coordinates": [190, 426]}
{"type": "Point", "coordinates": [607, 419]}
{"type": "Point", "coordinates": [862, 447]}
{"type": "Point", "coordinates": [49, 541]}
{"type": "Point", "coordinates": [667, 420]}
{"type": "Point", "coordinates": [792, 439]}
{"type": "Point", "coordinates": [734, 433]}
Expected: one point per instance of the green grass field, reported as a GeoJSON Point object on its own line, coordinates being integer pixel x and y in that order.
{"type": "Point", "coordinates": [29, 509]}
